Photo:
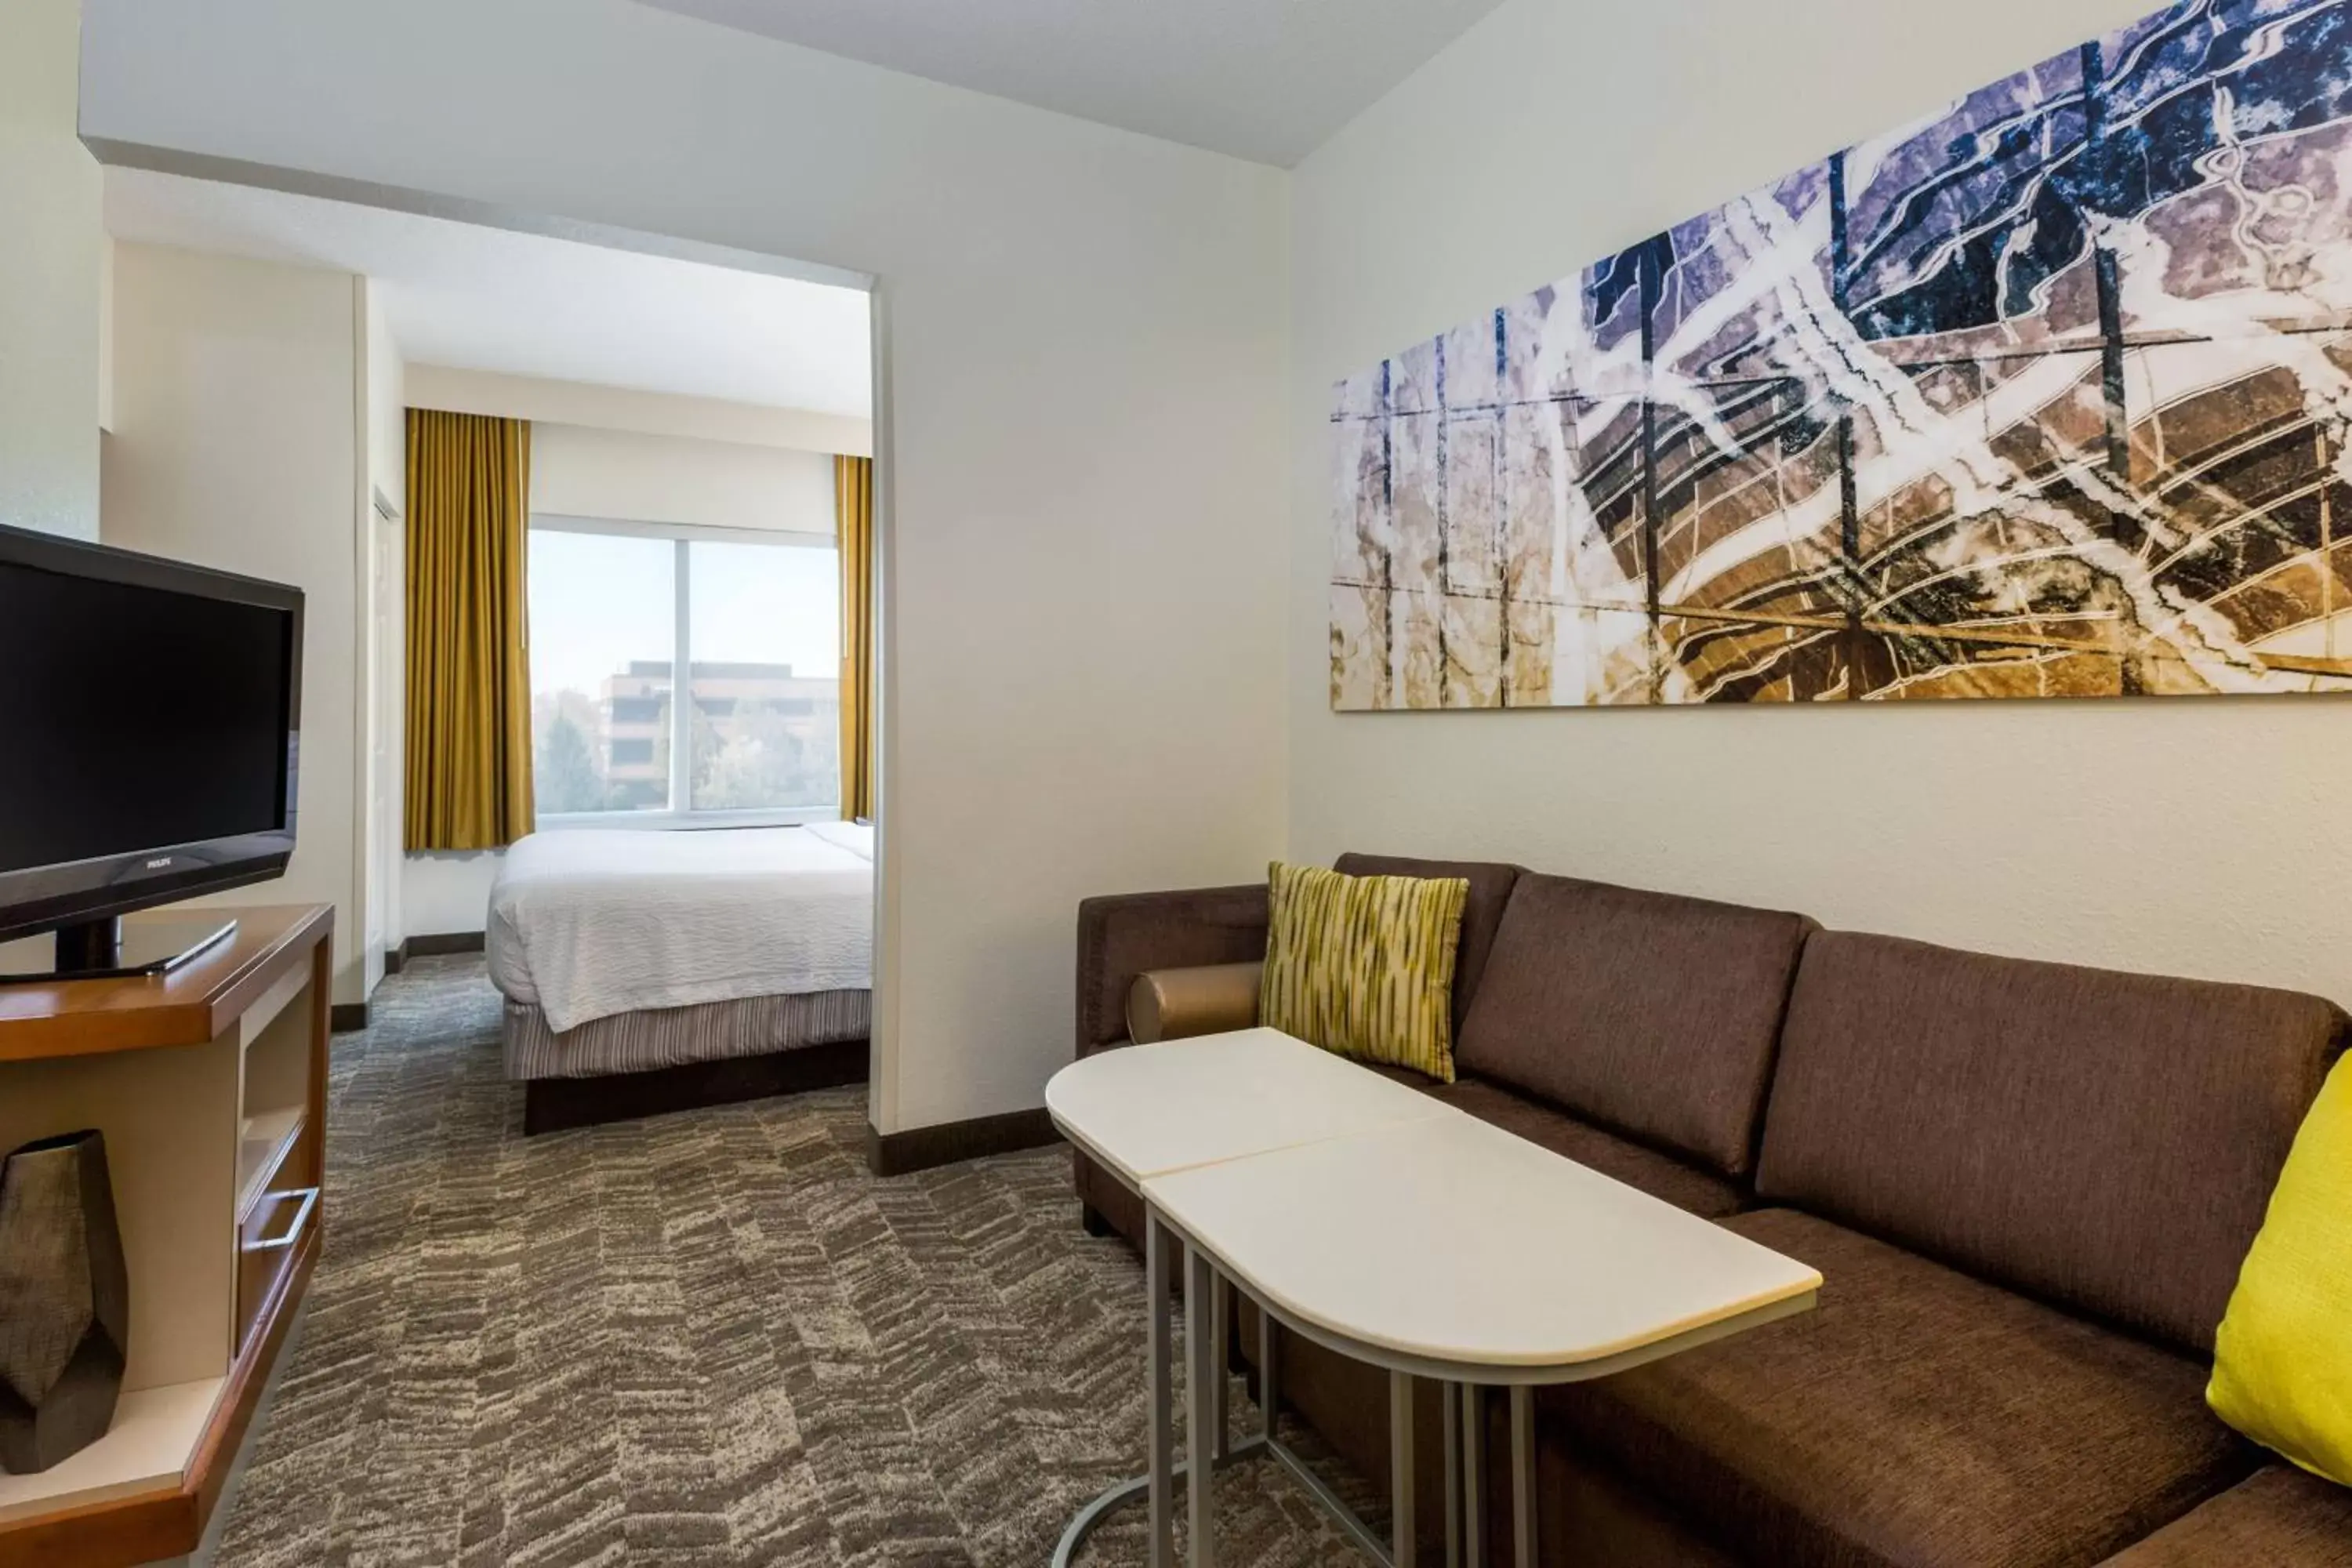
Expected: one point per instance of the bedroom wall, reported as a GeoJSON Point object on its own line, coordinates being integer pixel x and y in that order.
{"type": "Point", "coordinates": [235, 444]}
{"type": "Point", "coordinates": [2191, 835]}
{"type": "Point", "coordinates": [599, 407]}
{"type": "Point", "coordinates": [628, 477]}
{"type": "Point", "coordinates": [383, 553]}
{"type": "Point", "coordinates": [446, 894]}
{"type": "Point", "coordinates": [752, 475]}
{"type": "Point", "coordinates": [51, 253]}
{"type": "Point", "coordinates": [1083, 447]}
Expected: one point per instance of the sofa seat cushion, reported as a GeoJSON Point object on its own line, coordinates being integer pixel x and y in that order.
{"type": "Point", "coordinates": [1685, 1186]}
{"type": "Point", "coordinates": [2280, 1519]}
{"type": "Point", "coordinates": [1702, 1192]}
{"type": "Point", "coordinates": [1649, 1013]}
{"type": "Point", "coordinates": [1915, 1417]}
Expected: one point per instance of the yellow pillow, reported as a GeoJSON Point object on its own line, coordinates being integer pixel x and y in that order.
{"type": "Point", "coordinates": [1364, 965]}
{"type": "Point", "coordinates": [2282, 1356]}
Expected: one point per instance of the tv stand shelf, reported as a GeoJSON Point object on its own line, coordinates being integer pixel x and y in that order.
{"type": "Point", "coordinates": [209, 1083]}
{"type": "Point", "coordinates": [262, 1145]}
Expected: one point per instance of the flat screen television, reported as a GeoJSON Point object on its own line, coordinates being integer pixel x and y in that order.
{"type": "Point", "coordinates": [149, 736]}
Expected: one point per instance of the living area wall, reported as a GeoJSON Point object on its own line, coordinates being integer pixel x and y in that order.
{"type": "Point", "coordinates": [51, 256]}
{"type": "Point", "coordinates": [236, 383]}
{"type": "Point", "coordinates": [1082, 465]}
{"type": "Point", "coordinates": [2197, 836]}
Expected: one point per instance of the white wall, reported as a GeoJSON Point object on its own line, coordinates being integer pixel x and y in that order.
{"type": "Point", "coordinates": [382, 546]}
{"type": "Point", "coordinates": [386, 389]}
{"type": "Point", "coordinates": [51, 244]}
{"type": "Point", "coordinates": [651, 457]}
{"type": "Point", "coordinates": [546, 402]}
{"type": "Point", "coordinates": [443, 893]}
{"type": "Point", "coordinates": [235, 446]}
{"type": "Point", "coordinates": [2197, 836]}
{"type": "Point", "coordinates": [1083, 450]}
{"type": "Point", "coordinates": [105, 336]}
{"type": "Point", "coordinates": [623, 476]}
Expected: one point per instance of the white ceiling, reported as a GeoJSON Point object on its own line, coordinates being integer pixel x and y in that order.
{"type": "Point", "coordinates": [1268, 80]}
{"type": "Point", "coordinates": [525, 304]}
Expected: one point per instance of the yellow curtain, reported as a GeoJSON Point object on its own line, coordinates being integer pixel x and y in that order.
{"type": "Point", "coordinates": [853, 506]}
{"type": "Point", "coordinates": [469, 661]}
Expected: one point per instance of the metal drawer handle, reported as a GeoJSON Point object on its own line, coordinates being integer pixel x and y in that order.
{"type": "Point", "coordinates": [293, 1232]}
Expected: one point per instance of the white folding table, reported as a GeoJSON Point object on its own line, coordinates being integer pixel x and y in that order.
{"type": "Point", "coordinates": [1386, 1225]}
{"type": "Point", "coordinates": [1150, 1110]}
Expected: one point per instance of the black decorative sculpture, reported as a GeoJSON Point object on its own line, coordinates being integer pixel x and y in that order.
{"type": "Point", "coordinates": [65, 1301]}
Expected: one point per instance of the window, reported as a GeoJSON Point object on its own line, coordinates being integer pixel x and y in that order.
{"type": "Point", "coordinates": [636, 710]}
{"type": "Point", "coordinates": [755, 621]}
{"type": "Point", "coordinates": [765, 636]}
{"type": "Point", "coordinates": [603, 629]}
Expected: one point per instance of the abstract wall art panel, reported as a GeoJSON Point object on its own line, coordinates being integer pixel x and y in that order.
{"type": "Point", "coordinates": [2046, 395]}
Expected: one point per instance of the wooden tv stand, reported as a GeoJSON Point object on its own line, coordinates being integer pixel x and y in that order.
{"type": "Point", "coordinates": [210, 1086]}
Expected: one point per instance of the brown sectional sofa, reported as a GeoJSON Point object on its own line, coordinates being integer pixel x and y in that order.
{"type": "Point", "coordinates": [2027, 1185]}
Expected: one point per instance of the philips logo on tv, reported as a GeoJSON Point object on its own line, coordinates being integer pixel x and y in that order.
{"type": "Point", "coordinates": [158, 864]}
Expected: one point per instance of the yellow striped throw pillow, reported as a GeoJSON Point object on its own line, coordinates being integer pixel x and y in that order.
{"type": "Point", "coordinates": [1364, 965]}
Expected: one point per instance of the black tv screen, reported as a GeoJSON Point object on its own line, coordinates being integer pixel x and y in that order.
{"type": "Point", "coordinates": [147, 711]}
{"type": "Point", "coordinates": [150, 719]}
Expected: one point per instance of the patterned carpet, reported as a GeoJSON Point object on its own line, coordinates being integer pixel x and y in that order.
{"type": "Point", "coordinates": [706, 1339]}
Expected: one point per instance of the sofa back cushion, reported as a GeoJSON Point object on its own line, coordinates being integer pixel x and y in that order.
{"type": "Point", "coordinates": [2105, 1142]}
{"type": "Point", "coordinates": [1490, 889]}
{"type": "Point", "coordinates": [1648, 1013]}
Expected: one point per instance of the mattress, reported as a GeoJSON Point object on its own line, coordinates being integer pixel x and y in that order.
{"type": "Point", "coordinates": [589, 923]}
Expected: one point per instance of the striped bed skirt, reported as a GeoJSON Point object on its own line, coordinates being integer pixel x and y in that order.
{"type": "Point", "coordinates": [680, 1037]}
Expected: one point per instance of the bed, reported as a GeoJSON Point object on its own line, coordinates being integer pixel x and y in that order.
{"type": "Point", "coordinates": [647, 971]}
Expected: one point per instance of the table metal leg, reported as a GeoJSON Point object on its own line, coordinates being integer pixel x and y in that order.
{"type": "Point", "coordinates": [1162, 1439]}
{"type": "Point", "coordinates": [1474, 1472]}
{"type": "Point", "coordinates": [1269, 1385]}
{"type": "Point", "coordinates": [1204, 1365]}
{"type": "Point", "coordinates": [1450, 1404]}
{"type": "Point", "coordinates": [1523, 1475]}
{"type": "Point", "coordinates": [1404, 1531]}
{"type": "Point", "coordinates": [1222, 1338]}
{"type": "Point", "coordinates": [1157, 1486]}
{"type": "Point", "coordinates": [1200, 1288]}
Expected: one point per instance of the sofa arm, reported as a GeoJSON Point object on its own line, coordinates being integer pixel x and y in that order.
{"type": "Point", "coordinates": [1177, 1004]}
{"type": "Point", "coordinates": [1126, 935]}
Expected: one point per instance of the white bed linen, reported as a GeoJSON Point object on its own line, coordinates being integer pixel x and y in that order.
{"type": "Point", "coordinates": [584, 923]}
